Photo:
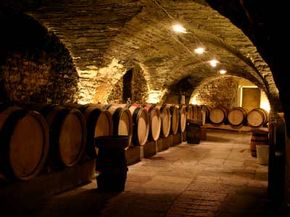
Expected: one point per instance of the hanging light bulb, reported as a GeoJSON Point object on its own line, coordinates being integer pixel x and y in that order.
{"type": "Point", "coordinates": [222, 71]}
{"type": "Point", "coordinates": [199, 50]}
{"type": "Point", "coordinates": [178, 28]}
{"type": "Point", "coordinates": [213, 62]}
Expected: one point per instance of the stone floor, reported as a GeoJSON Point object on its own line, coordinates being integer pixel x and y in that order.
{"type": "Point", "coordinates": [217, 177]}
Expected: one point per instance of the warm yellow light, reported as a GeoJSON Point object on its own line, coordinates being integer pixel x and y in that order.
{"type": "Point", "coordinates": [154, 96]}
{"type": "Point", "coordinates": [222, 71]}
{"type": "Point", "coordinates": [213, 62]}
{"type": "Point", "coordinates": [178, 28]}
{"type": "Point", "coordinates": [264, 103]}
{"type": "Point", "coordinates": [199, 50]}
{"type": "Point", "coordinates": [193, 100]}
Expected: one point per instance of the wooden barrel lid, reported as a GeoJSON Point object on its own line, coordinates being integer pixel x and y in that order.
{"type": "Point", "coordinates": [104, 124]}
{"type": "Point", "coordinates": [155, 124]}
{"type": "Point", "coordinates": [165, 120]}
{"type": "Point", "coordinates": [182, 118]}
{"type": "Point", "coordinates": [143, 127]}
{"type": "Point", "coordinates": [189, 112]}
{"type": "Point", "coordinates": [205, 113]}
{"type": "Point", "coordinates": [154, 121]}
{"type": "Point", "coordinates": [122, 120]}
{"type": "Point", "coordinates": [174, 119]}
{"type": "Point", "coordinates": [217, 115]}
{"type": "Point", "coordinates": [26, 142]}
{"type": "Point", "coordinates": [257, 117]}
{"type": "Point", "coordinates": [124, 123]}
{"type": "Point", "coordinates": [236, 116]}
{"type": "Point", "coordinates": [72, 138]}
{"type": "Point", "coordinates": [140, 124]}
{"type": "Point", "coordinates": [98, 123]}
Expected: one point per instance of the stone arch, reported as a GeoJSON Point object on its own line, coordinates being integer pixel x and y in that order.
{"type": "Point", "coordinates": [35, 66]}
{"type": "Point", "coordinates": [223, 88]}
{"type": "Point", "coordinates": [138, 87]}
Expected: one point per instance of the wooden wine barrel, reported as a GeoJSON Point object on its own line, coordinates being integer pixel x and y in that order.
{"type": "Point", "coordinates": [165, 120]}
{"type": "Point", "coordinates": [205, 110]}
{"type": "Point", "coordinates": [218, 115]}
{"type": "Point", "coordinates": [237, 116]}
{"type": "Point", "coordinates": [98, 123]}
{"type": "Point", "coordinates": [259, 137]}
{"type": "Point", "coordinates": [154, 121]}
{"type": "Point", "coordinates": [67, 135]}
{"type": "Point", "coordinates": [24, 137]}
{"type": "Point", "coordinates": [174, 112]}
{"type": "Point", "coordinates": [122, 120]}
{"type": "Point", "coordinates": [141, 127]}
{"type": "Point", "coordinates": [193, 132]}
{"type": "Point", "coordinates": [197, 116]}
{"type": "Point", "coordinates": [257, 117]}
{"type": "Point", "coordinates": [182, 118]}
{"type": "Point", "coordinates": [189, 112]}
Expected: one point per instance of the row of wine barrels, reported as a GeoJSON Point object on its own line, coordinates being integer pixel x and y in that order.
{"type": "Point", "coordinates": [64, 132]}
{"type": "Point", "coordinates": [24, 137]}
{"type": "Point", "coordinates": [238, 116]}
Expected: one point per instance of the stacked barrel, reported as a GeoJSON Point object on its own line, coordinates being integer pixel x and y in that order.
{"type": "Point", "coordinates": [41, 138]}
{"type": "Point", "coordinates": [51, 136]}
{"type": "Point", "coordinates": [236, 117]}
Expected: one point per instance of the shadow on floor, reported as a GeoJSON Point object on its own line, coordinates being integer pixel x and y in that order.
{"type": "Point", "coordinates": [86, 203]}
{"type": "Point", "coordinates": [212, 138]}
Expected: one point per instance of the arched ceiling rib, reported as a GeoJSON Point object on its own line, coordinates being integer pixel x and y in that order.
{"type": "Point", "coordinates": [130, 31]}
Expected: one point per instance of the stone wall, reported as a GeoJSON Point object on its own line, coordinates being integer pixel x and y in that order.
{"type": "Point", "coordinates": [221, 91]}
{"type": "Point", "coordinates": [184, 87]}
{"type": "Point", "coordinates": [138, 88]}
{"type": "Point", "coordinates": [35, 67]}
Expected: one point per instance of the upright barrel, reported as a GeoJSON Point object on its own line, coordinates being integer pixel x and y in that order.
{"type": "Point", "coordinates": [154, 121]}
{"type": "Point", "coordinates": [257, 117]}
{"type": "Point", "coordinates": [259, 137]}
{"type": "Point", "coordinates": [24, 143]}
{"type": "Point", "coordinates": [67, 135]}
{"type": "Point", "coordinates": [237, 116]}
{"type": "Point", "coordinates": [140, 120]}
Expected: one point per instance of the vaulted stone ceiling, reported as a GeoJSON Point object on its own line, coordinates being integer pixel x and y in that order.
{"type": "Point", "coordinates": [105, 38]}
